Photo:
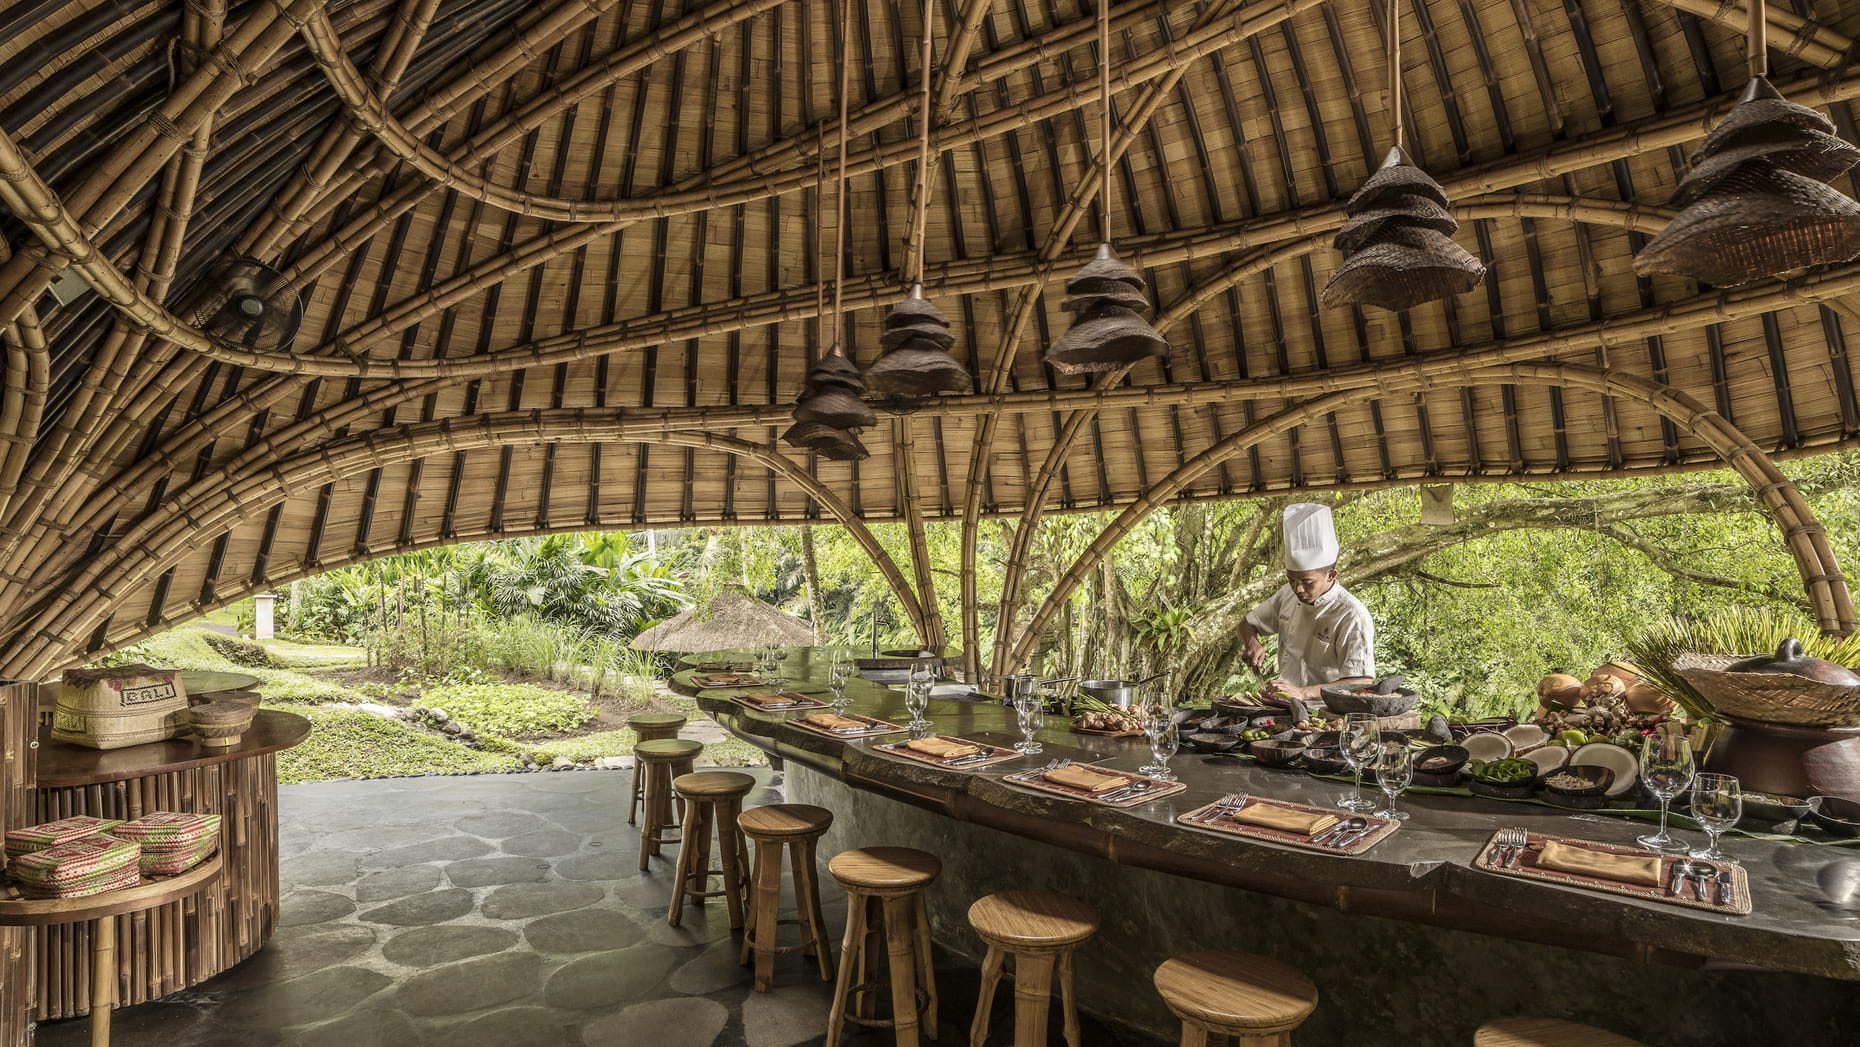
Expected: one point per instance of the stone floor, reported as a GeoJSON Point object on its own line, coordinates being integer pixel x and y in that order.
{"type": "Point", "coordinates": [501, 911]}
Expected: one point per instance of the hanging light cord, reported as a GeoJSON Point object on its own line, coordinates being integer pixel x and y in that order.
{"type": "Point", "coordinates": [820, 233]}
{"type": "Point", "coordinates": [1756, 40]}
{"type": "Point", "coordinates": [923, 145]}
{"type": "Point", "coordinates": [1395, 70]}
{"type": "Point", "coordinates": [839, 196]}
{"type": "Point", "coordinates": [1104, 117]}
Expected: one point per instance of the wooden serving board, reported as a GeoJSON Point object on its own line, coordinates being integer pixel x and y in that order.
{"type": "Point", "coordinates": [1034, 780]}
{"type": "Point", "coordinates": [996, 754]}
{"type": "Point", "coordinates": [1379, 828]}
{"type": "Point", "coordinates": [800, 704]}
{"type": "Point", "coordinates": [1528, 869]}
{"type": "Point", "coordinates": [875, 728]}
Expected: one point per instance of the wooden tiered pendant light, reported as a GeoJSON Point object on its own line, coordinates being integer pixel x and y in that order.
{"type": "Point", "coordinates": [916, 364]}
{"type": "Point", "coordinates": [1110, 332]}
{"type": "Point", "coordinates": [1755, 201]}
{"type": "Point", "coordinates": [1398, 243]}
{"type": "Point", "coordinates": [830, 408]}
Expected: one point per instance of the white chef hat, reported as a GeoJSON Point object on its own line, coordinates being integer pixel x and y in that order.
{"type": "Point", "coordinates": [1310, 539]}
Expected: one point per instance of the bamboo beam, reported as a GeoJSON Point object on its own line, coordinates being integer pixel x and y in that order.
{"type": "Point", "coordinates": [1802, 533]}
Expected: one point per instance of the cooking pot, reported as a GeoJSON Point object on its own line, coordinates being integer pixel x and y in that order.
{"type": "Point", "coordinates": [1120, 693]}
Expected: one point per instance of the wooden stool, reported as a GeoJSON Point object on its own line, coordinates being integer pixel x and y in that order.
{"type": "Point", "coordinates": [891, 880]}
{"type": "Point", "coordinates": [708, 795]}
{"type": "Point", "coordinates": [1255, 1000]}
{"type": "Point", "coordinates": [648, 727]}
{"type": "Point", "coordinates": [799, 826]}
{"type": "Point", "coordinates": [1547, 1032]}
{"type": "Point", "coordinates": [1041, 929]}
{"type": "Point", "coordinates": [661, 759]}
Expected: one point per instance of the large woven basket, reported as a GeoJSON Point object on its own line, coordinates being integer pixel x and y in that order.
{"type": "Point", "coordinates": [1768, 697]}
{"type": "Point", "coordinates": [118, 706]}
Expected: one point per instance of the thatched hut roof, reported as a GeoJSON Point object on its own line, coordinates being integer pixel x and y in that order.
{"type": "Point", "coordinates": [728, 620]}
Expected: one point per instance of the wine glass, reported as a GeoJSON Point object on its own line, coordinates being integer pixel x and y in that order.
{"type": "Point", "coordinates": [837, 675]}
{"type": "Point", "coordinates": [1032, 714]}
{"type": "Point", "coordinates": [1394, 773]}
{"type": "Point", "coordinates": [1359, 741]}
{"type": "Point", "coordinates": [1717, 802]}
{"type": "Point", "coordinates": [917, 693]}
{"type": "Point", "coordinates": [1666, 770]}
{"type": "Point", "coordinates": [1159, 725]}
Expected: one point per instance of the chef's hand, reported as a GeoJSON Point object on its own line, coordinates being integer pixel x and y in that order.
{"type": "Point", "coordinates": [1255, 654]}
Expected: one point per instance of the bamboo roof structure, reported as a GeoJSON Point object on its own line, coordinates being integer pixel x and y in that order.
{"type": "Point", "coordinates": [561, 266]}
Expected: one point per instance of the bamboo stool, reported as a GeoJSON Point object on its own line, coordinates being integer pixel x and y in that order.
{"type": "Point", "coordinates": [1547, 1032]}
{"type": "Point", "coordinates": [799, 826]}
{"type": "Point", "coordinates": [1255, 1000]}
{"type": "Point", "coordinates": [647, 727]}
{"type": "Point", "coordinates": [1041, 929]}
{"type": "Point", "coordinates": [707, 795]}
{"type": "Point", "coordinates": [892, 880]}
{"type": "Point", "coordinates": [662, 759]}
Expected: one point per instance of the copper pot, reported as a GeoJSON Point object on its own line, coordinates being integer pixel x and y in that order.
{"type": "Point", "coordinates": [1789, 760]}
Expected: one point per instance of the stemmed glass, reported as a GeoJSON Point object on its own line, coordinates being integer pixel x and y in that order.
{"type": "Point", "coordinates": [1359, 742]}
{"type": "Point", "coordinates": [917, 693]}
{"type": "Point", "coordinates": [1394, 773]}
{"type": "Point", "coordinates": [1031, 710]}
{"type": "Point", "coordinates": [837, 675]}
{"type": "Point", "coordinates": [1159, 725]}
{"type": "Point", "coordinates": [1717, 803]}
{"type": "Point", "coordinates": [1666, 770]}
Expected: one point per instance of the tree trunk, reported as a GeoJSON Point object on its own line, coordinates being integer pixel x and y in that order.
{"type": "Point", "coordinates": [810, 580]}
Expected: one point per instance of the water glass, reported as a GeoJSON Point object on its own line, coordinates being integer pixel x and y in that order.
{"type": "Point", "coordinates": [1031, 712]}
{"type": "Point", "coordinates": [1666, 769]}
{"type": "Point", "coordinates": [1394, 773]}
{"type": "Point", "coordinates": [1359, 741]}
{"type": "Point", "coordinates": [1159, 725]}
{"type": "Point", "coordinates": [1717, 802]}
{"type": "Point", "coordinates": [840, 672]}
{"type": "Point", "coordinates": [917, 693]}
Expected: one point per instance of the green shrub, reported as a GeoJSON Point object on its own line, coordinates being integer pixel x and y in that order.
{"type": "Point", "coordinates": [347, 743]}
{"type": "Point", "coordinates": [238, 651]}
{"type": "Point", "coordinates": [509, 710]}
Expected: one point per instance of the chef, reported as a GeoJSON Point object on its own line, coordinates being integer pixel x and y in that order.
{"type": "Point", "coordinates": [1325, 634]}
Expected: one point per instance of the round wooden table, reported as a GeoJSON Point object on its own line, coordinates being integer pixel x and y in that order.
{"type": "Point", "coordinates": [97, 913]}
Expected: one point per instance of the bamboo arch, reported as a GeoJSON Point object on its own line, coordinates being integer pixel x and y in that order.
{"type": "Point", "coordinates": [1802, 532]}
{"type": "Point", "coordinates": [151, 546]}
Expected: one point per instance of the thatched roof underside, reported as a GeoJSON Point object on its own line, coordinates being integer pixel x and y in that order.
{"type": "Point", "coordinates": [634, 369]}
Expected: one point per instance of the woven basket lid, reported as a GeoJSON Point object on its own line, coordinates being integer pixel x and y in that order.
{"type": "Point", "coordinates": [1762, 104]}
{"type": "Point", "coordinates": [221, 713]}
{"type": "Point", "coordinates": [915, 309]}
{"type": "Point", "coordinates": [1405, 269]}
{"type": "Point", "coordinates": [1100, 274]}
{"type": "Point", "coordinates": [1756, 224]}
{"type": "Point", "coordinates": [835, 407]}
{"type": "Point", "coordinates": [1806, 153]}
{"type": "Point", "coordinates": [917, 370]}
{"type": "Point", "coordinates": [1106, 339]}
{"type": "Point", "coordinates": [835, 369]}
{"type": "Point", "coordinates": [1393, 182]}
{"type": "Point", "coordinates": [826, 441]}
{"type": "Point", "coordinates": [1365, 227]}
{"type": "Point", "coordinates": [927, 335]}
{"type": "Point", "coordinates": [1122, 299]}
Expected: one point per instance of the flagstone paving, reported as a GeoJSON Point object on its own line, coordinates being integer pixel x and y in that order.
{"type": "Point", "coordinates": [502, 911]}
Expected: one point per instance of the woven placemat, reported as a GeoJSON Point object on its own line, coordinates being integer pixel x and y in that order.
{"type": "Point", "coordinates": [1526, 867]}
{"type": "Point", "coordinates": [1379, 828]}
{"type": "Point", "coordinates": [991, 754]}
{"type": "Point", "coordinates": [1035, 781]}
{"type": "Point", "coordinates": [798, 703]}
{"type": "Point", "coordinates": [875, 728]}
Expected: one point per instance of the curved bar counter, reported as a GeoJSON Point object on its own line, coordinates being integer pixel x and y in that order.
{"type": "Point", "coordinates": [181, 943]}
{"type": "Point", "coordinates": [1408, 929]}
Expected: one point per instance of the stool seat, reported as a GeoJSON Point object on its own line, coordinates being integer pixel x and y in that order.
{"type": "Point", "coordinates": [1036, 918]}
{"type": "Point", "coordinates": [884, 869]}
{"type": "Point", "coordinates": [659, 721]}
{"type": "Point", "coordinates": [786, 819]}
{"type": "Point", "coordinates": [667, 749]}
{"type": "Point", "coordinates": [712, 784]}
{"type": "Point", "coordinates": [1547, 1032]}
{"type": "Point", "coordinates": [1236, 993]}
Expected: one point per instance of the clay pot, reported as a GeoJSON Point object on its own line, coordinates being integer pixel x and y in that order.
{"type": "Point", "coordinates": [1644, 697]}
{"type": "Point", "coordinates": [1788, 761]}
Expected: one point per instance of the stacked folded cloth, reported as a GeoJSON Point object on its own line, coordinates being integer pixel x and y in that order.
{"type": "Point", "coordinates": [172, 842]}
{"type": "Point", "coordinates": [35, 838]}
{"type": "Point", "coordinates": [91, 865]}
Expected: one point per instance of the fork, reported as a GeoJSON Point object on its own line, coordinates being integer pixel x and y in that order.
{"type": "Point", "coordinates": [1509, 844]}
{"type": "Point", "coordinates": [1228, 804]}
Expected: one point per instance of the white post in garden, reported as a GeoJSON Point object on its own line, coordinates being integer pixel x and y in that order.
{"type": "Point", "coordinates": [263, 626]}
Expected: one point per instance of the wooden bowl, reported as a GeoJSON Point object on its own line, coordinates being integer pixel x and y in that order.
{"type": "Point", "coordinates": [1275, 753]}
{"type": "Point", "coordinates": [1838, 816]}
{"type": "Point", "coordinates": [1345, 700]}
{"type": "Point", "coordinates": [220, 725]}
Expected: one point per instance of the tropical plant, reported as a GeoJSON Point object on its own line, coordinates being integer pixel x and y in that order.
{"type": "Point", "coordinates": [1737, 631]}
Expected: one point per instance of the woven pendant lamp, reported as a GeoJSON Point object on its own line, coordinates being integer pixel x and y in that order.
{"type": "Point", "coordinates": [916, 363]}
{"type": "Point", "coordinates": [831, 407]}
{"type": "Point", "coordinates": [1755, 200]}
{"type": "Point", "coordinates": [1398, 247]}
{"type": "Point", "coordinates": [1109, 332]}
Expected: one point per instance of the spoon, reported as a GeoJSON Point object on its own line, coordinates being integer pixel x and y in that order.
{"type": "Point", "coordinates": [1343, 828]}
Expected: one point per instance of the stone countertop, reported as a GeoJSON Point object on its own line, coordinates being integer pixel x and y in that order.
{"type": "Point", "coordinates": [1806, 897]}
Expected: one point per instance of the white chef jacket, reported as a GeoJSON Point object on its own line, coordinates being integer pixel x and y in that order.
{"type": "Point", "coordinates": [1320, 642]}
